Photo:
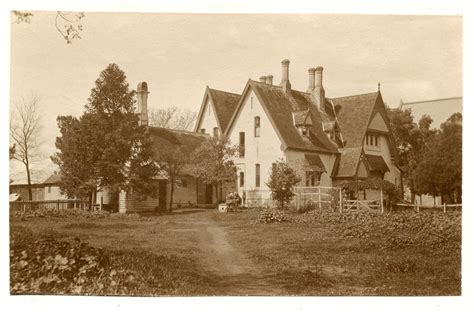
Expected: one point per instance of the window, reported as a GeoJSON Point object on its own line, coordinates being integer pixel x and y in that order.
{"type": "Point", "coordinates": [375, 140]}
{"type": "Point", "coordinates": [241, 178]}
{"type": "Point", "coordinates": [372, 140]}
{"type": "Point", "coordinates": [257, 126]}
{"type": "Point", "coordinates": [242, 144]}
{"type": "Point", "coordinates": [49, 189]}
{"type": "Point", "coordinates": [367, 139]}
{"type": "Point", "coordinates": [313, 178]}
{"type": "Point", "coordinates": [216, 132]}
{"type": "Point", "coordinates": [203, 130]}
{"type": "Point", "coordinates": [257, 175]}
{"type": "Point", "coordinates": [304, 131]}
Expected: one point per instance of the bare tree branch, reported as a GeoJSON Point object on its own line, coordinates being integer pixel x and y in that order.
{"type": "Point", "coordinates": [173, 118]}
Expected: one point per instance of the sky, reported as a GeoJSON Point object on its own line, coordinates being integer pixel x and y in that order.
{"type": "Point", "coordinates": [413, 57]}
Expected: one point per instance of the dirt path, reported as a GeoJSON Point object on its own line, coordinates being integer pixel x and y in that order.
{"type": "Point", "coordinates": [234, 273]}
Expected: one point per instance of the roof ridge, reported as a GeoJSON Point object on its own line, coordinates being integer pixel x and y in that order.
{"type": "Point", "coordinates": [181, 131]}
{"type": "Point", "coordinates": [237, 94]}
{"type": "Point", "coordinates": [435, 100]}
{"type": "Point", "coordinates": [348, 96]}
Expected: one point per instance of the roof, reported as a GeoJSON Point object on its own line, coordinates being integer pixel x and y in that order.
{"type": "Point", "coordinates": [224, 105]}
{"type": "Point", "coordinates": [281, 105]}
{"type": "Point", "coordinates": [353, 114]}
{"type": "Point", "coordinates": [439, 109]}
{"type": "Point", "coordinates": [346, 162]}
{"type": "Point", "coordinates": [315, 162]}
{"type": "Point", "coordinates": [377, 163]}
{"type": "Point", "coordinates": [55, 178]}
{"type": "Point", "coordinates": [187, 140]}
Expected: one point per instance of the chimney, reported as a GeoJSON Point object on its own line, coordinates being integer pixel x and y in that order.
{"type": "Point", "coordinates": [269, 79]}
{"type": "Point", "coordinates": [318, 90]}
{"type": "Point", "coordinates": [262, 79]}
{"type": "Point", "coordinates": [285, 82]}
{"type": "Point", "coordinates": [311, 72]}
{"type": "Point", "coordinates": [142, 101]}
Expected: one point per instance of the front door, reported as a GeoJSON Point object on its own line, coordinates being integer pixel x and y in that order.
{"type": "Point", "coordinates": [162, 192]}
{"type": "Point", "coordinates": [209, 194]}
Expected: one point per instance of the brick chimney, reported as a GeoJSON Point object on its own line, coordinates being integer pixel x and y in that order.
{"type": "Point", "coordinates": [318, 90]}
{"type": "Point", "coordinates": [262, 79]}
{"type": "Point", "coordinates": [142, 102]}
{"type": "Point", "coordinates": [285, 69]}
{"type": "Point", "coordinates": [269, 79]}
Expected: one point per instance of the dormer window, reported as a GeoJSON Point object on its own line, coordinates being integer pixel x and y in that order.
{"type": "Point", "coordinates": [304, 131]}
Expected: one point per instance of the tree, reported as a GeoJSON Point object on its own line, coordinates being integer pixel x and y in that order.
{"type": "Point", "coordinates": [214, 163]}
{"type": "Point", "coordinates": [439, 171]}
{"type": "Point", "coordinates": [67, 24]}
{"type": "Point", "coordinates": [24, 134]}
{"type": "Point", "coordinates": [281, 182]}
{"type": "Point", "coordinates": [105, 147]}
{"type": "Point", "coordinates": [173, 118]}
{"type": "Point", "coordinates": [410, 139]}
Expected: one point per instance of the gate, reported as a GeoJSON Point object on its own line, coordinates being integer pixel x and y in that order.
{"type": "Point", "coordinates": [321, 196]}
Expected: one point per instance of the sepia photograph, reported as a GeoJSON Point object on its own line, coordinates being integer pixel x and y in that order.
{"type": "Point", "coordinates": [168, 154]}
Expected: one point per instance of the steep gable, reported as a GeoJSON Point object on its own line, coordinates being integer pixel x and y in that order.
{"type": "Point", "coordinates": [378, 123]}
{"type": "Point", "coordinates": [219, 106]}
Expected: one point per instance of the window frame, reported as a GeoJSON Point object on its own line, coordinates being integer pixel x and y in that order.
{"type": "Point", "coordinates": [241, 179]}
{"type": "Point", "coordinates": [256, 126]}
{"type": "Point", "coordinates": [241, 144]}
{"type": "Point", "coordinates": [215, 132]}
{"type": "Point", "coordinates": [257, 175]}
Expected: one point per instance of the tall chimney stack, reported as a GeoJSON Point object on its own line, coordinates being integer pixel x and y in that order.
{"type": "Point", "coordinates": [318, 90]}
{"type": "Point", "coordinates": [262, 79]}
{"type": "Point", "coordinates": [142, 103]}
{"type": "Point", "coordinates": [269, 79]}
{"type": "Point", "coordinates": [285, 82]}
{"type": "Point", "coordinates": [311, 72]}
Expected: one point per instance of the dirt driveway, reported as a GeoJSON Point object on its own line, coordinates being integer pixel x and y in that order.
{"type": "Point", "coordinates": [235, 272]}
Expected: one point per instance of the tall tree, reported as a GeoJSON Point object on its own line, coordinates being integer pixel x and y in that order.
{"type": "Point", "coordinates": [173, 118]}
{"type": "Point", "coordinates": [25, 130]}
{"type": "Point", "coordinates": [105, 147]}
{"type": "Point", "coordinates": [439, 171]}
{"type": "Point", "coordinates": [281, 182]}
{"type": "Point", "coordinates": [214, 163]}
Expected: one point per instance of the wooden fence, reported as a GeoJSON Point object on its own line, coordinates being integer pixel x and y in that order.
{"type": "Point", "coordinates": [52, 204]}
{"type": "Point", "coordinates": [417, 207]}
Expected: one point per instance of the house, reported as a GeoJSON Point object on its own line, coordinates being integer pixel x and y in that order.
{"type": "Point", "coordinates": [328, 141]}
{"type": "Point", "coordinates": [46, 190]}
{"type": "Point", "coordinates": [51, 188]}
{"type": "Point", "coordinates": [438, 109]}
{"type": "Point", "coordinates": [22, 190]}
{"type": "Point", "coordinates": [188, 190]}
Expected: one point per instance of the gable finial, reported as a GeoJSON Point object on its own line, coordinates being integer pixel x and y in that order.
{"type": "Point", "coordinates": [378, 86]}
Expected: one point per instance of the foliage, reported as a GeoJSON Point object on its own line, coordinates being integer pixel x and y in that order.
{"type": "Point", "coordinates": [281, 182]}
{"type": "Point", "coordinates": [410, 139]}
{"type": "Point", "coordinates": [68, 213]}
{"type": "Point", "coordinates": [25, 128]}
{"type": "Point", "coordinates": [67, 24]}
{"type": "Point", "coordinates": [272, 216]}
{"type": "Point", "coordinates": [173, 118]}
{"type": "Point", "coordinates": [373, 184]}
{"type": "Point", "coordinates": [213, 162]}
{"type": "Point", "coordinates": [439, 172]}
{"type": "Point", "coordinates": [105, 147]}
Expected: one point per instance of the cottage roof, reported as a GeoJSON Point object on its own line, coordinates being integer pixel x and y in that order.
{"type": "Point", "coordinates": [224, 105]}
{"type": "Point", "coordinates": [187, 140]}
{"type": "Point", "coordinates": [354, 113]}
{"type": "Point", "coordinates": [377, 163]}
{"type": "Point", "coordinates": [55, 178]}
{"type": "Point", "coordinates": [315, 162]}
{"type": "Point", "coordinates": [346, 162]}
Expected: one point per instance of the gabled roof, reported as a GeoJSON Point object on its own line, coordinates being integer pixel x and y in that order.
{"type": "Point", "coordinates": [280, 106]}
{"type": "Point", "coordinates": [223, 104]}
{"type": "Point", "coordinates": [187, 140]}
{"type": "Point", "coordinates": [55, 178]}
{"type": "Point", "coordinates": [377, 163]}
{"type": "Point", "coordinates": [346, 163]}
{"type": "Point", "coordinates": [354, 113]}
{"type": "Point", "coordinates": [315, 162]}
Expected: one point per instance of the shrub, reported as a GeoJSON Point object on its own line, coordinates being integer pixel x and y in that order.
{"type": "Point", "coordinates": [281, 182]}
{"type": "Point", "coordinates": [272, 216]}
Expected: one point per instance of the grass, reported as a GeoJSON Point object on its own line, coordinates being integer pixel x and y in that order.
{"type": "Point", "coordinates": [286, 258]}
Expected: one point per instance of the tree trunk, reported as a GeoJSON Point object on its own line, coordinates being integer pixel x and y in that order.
{"type": "Point", "coordinates": [171, 196]}
{"type": "Point", "coordinates": [28, 175]}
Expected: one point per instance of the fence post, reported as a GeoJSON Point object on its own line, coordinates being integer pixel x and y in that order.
{"type": "Point", "coordinates": [340, 200]}
{"type": "Point", "coordinates": [381, 200]}
{"type": "Point", "coordinates": [319, 198]}
{"type": "Point", "coordinates": [444, 207]}
{"type": "Point", "coordinates": [417, 207]}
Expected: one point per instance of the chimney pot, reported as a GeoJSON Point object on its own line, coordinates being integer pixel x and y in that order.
{"type": "Point", "coordinates": [285, 69]}
{"type": "Point", "coordinates": [269, 79]}
{"type": "Point", "coordinates": [311, 72]}
{"type": "Point", "coordinates": [317, 90]}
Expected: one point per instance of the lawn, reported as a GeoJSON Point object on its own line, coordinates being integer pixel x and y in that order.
{"type": "Point", "coordinates": [200, 252]}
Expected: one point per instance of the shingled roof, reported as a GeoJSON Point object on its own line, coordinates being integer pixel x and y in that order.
{"type": "Point", "coordinates": [281, 105]}
{"type": "Point", "coordinates": [55, 178]}
{"type": "Point", "coordinates": [187, 140]}
{"type": "Point", "coordinates": [224, 104]}
{"type": "Point", "coordinates": [353, 114]}
{"type": "Point", "coordinates": [346, 162]}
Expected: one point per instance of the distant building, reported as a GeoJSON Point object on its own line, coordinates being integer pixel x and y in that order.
{"type": "Point", "coordinates": [439, 109]}
{"type": "Point", "coordinates": [47, 190]}
{"type": "Point", "coordinates": [51, 188]}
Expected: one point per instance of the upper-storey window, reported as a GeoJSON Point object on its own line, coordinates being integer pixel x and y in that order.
{"type": "Point", "coordinates": [216, 132]}
{"type": "Point", "coordinates": [203, 130]}
{"type": "Point", "coordinates": [304, 131]}
{"type": "Point", "coordinates": [257, 126]}
{"type": "Point", "coordinates": [242, 144]}
{"type": "Point", "coordinates": [372, 140]}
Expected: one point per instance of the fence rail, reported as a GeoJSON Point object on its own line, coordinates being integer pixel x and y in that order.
{"type": "Point", "coordinates": [52, 204]}
{"type": "Point", "coordinates": [417, 207]}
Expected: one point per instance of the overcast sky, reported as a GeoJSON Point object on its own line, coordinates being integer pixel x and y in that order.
{"type": "Point", "coordinates": [413, 57]}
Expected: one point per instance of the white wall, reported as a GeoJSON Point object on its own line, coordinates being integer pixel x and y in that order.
{"type": "Point", "coordinates": [53, 193]}
{"type": "Point", "coordinates": [263, 150]}
{"type": "Point", "coordinates": [383, 150]}
{"type": "Point", "coordinates": [208, 119]}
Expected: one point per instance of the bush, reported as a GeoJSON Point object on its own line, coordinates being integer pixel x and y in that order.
{"type": "Point", "coordinates": [66, 213]}
{"type": "Point", "coordinates": [272, 216]}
